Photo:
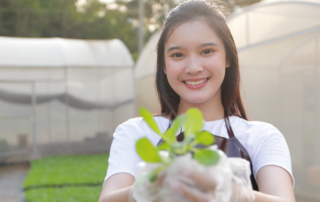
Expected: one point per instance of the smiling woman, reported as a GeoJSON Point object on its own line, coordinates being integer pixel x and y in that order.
{"type": "Point", "coordinates": [198, 64]}
{"type": "Point", "coordinates": [197, 67]}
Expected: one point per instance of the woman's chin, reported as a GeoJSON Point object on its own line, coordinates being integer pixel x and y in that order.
{"type": "Point", "coordinates": [195, 100]}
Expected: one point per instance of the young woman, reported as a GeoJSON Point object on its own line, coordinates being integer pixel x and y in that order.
{"type": "Point", "coordinates": [197, 66]}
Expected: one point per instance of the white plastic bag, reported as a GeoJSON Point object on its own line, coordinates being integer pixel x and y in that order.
{"type": "Point", "coordinates": [230, 174]}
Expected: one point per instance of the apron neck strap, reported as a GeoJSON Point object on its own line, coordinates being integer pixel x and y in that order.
{"type": "Point", "coordinates": [228, 126]}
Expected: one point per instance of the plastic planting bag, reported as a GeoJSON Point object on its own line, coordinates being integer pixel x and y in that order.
{"type": "Point", "coordinates": [232, 177]}
{"type": "Point", "coordinates": [166, 163]}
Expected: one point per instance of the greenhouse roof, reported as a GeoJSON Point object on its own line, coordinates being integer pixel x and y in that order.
{"type": "Point", "coordinates": [59, 52]}
{"type": "Point", "coordinates": [273, 20]}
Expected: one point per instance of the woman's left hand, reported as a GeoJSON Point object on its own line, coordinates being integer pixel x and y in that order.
{"type": "Point", "coordinates": [204, 188]}
{"type": "Point", "coordinates": [201, 191]}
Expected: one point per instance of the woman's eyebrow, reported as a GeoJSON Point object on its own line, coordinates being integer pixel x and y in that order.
{"type": "Point", "coordinates": [174, 48]}
{"type": "Point", "coordinates": [208, 44]}
{"type": "Point", "coordinates": [201, 45]}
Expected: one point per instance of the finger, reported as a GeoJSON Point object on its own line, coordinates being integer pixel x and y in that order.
{"type": "Point", "coordinates": [204, 182]}
{"type": "Point", "coordinates": [190, 193]}
{"type": "Point", "coordinates": [160, 179]}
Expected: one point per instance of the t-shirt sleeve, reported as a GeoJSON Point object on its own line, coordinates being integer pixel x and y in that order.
{"type": "Point", "coordinates": [271, 149]}
{"type": "Point", "coordinates": [123, 157]}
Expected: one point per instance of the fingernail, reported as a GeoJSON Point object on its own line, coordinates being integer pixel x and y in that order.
{"type": "Point", "coordinates": [174, 184]}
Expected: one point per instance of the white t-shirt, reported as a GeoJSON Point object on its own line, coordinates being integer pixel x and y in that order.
{"type": "Point", "coordinates": [263, 142]}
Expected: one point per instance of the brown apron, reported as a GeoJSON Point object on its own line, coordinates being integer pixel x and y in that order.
{"type": "Point", "coordinates": [232, 148]}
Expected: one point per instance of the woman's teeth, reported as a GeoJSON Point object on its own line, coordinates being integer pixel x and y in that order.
{"type": "Point", "coordinates": [194, 83]}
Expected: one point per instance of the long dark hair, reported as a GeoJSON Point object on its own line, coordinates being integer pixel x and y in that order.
{"type": "Point", "coordinates": [230, 88]}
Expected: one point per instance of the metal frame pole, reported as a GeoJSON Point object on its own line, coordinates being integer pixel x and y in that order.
{"type": "Point", "coordinates": [34, 121]}
{"type": "Point", "coordinates": [140, 29]}
{"type": "Point", "coordinates": [135, 110]}
{"type": "Point", "coordinates": [67, 108]}
{"type": "Point", "coordinates": [247, 28]}
{"type": "Point", "coordinates": [49, 114]}
{"type": "Point", "coordinates": [317, 94]}
{"type": "Point", "coordinates": [98, 99]}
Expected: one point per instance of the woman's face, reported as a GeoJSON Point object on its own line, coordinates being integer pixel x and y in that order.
{"type": "Point", "coordinates": [195, 62]}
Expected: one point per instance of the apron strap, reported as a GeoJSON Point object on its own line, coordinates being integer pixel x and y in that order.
{"type": "Point", "coordinates": [243, 152]}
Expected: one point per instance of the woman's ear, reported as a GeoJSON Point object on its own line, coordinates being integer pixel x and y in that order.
{"type": "Point", "coordinates": [164, 70]}
{"type": "Point", "coordinates": [227, 63]}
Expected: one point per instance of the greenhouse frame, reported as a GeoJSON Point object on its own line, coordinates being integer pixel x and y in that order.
{"type": "Point", "coordinates": [62, 96]}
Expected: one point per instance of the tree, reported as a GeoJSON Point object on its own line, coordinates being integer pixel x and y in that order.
{"type": "Point", "coordinates": [92, 20]}
{"type": "Point", "coordinates": [61, 18]}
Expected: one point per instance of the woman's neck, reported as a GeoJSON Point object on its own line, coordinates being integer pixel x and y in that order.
{"type": "Point", "coordinates": [212, 109]}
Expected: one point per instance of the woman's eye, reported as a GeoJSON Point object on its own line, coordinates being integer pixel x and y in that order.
{"type": "Point", "coordinates": [177, 55]}
{"type": "Point", "coordinates": [207, 51]}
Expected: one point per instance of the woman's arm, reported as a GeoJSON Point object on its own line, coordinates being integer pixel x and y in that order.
{"type": "Point", "coordinates": [117, 188]}
{"type": "Point", "coordinates": [275, 184]}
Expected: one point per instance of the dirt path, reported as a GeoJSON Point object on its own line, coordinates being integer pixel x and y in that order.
{"type": "Point", "coordinates": [11, 179]}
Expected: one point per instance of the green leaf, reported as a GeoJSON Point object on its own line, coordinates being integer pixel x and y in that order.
{"type": "Point", "coordinates": [148, 118]}
{"type": "Point", "coordinates": [204, 138]}
{"type": "Point", "coordinates": [194, 121]}
{"type": "Point", "coordinates": [147, 151]}
{"type": "Point", "coordinates": [206, 157]}
{"type": "Point", "coordinates": [164, 146]}
{"type": "Point", "coordinates": [178, 122]}
{"type": "Point", "coordinates": [169, 136]}
{"type": "Point", "coordinates": [153, 177]}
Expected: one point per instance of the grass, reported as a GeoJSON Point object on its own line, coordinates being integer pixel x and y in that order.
{"type": "Point", "coordinates": [61, 170]}
{"type": "Point", "coordinates": [66, 194]}
{"type": "Point", "coordinates": [66, 178]}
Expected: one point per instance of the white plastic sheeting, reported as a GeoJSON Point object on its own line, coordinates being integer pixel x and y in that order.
{"type": "Point", "coordinates": [58, 52]}
{"type": "Point", "coordinates": [85, 87]}
{"type": "Point", "coordinates": [279, 51]}
{"type": "Point", "coordinates": [145, 70]}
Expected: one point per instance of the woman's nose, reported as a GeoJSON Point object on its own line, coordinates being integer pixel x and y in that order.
{"type": "Point", "coordinates": [193, 66]}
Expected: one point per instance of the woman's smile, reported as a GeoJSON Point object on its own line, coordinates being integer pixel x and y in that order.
{"type": "Point", "coordinates": [195, 83]}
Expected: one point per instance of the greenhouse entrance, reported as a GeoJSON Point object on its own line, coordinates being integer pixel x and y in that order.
{"type": "Point", "coordinates": [68, 103]}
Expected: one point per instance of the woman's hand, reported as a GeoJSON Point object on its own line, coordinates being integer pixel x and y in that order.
{"type": "Point", "coordinates": [202, 191]}
{"type": "Point", "coordinates": [204, 188]}
{"type": "Point", "coordinates": [187, 180]}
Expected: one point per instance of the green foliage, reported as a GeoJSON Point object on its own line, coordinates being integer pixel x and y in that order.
{"type": "Point", "coordinates": [94, 20]}
{"type": "Point", "coordinates": [62, 170]}
{"type": "Point", "coordinates": [177, 123]}
{"type": "Point", "coordinates": [148, 118]}
{"type": "Point", "coordinates": [193, 123]}
{"type": "Point", "coordinates": [204, 138]}
{"type": "Point", "coordinates": [147, 151]}
{"type": "Point", "coordinates": [206, 157]}
{"type": "Point", "coordinates": [61, 18]}
{"type": "Point", "coordinates": [69, 194]}
{"type": "Point", "coordinates": [3, 145]}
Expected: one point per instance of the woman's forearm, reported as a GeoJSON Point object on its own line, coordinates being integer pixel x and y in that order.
{"type": "Point", "coordinates": [120, 195]}
{"type": "Point", "coordinates": [261, 197]}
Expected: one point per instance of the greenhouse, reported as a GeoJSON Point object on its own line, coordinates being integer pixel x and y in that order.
{"type": "Point", "coordinates": [62, 95]}
{"type": "Point", "coordinates": [279, 51]}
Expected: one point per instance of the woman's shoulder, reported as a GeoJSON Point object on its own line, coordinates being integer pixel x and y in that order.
{"type": "Point", "coordinates": [140, 123]}
{"type": "Point", "coordinates": [257, 134]}
{"type": "Point", "coordinates": [252, 127]}
{"type": "Point", "coordinates": [138, 127]}
{"type": "Point", "coordinates": [260, 140]}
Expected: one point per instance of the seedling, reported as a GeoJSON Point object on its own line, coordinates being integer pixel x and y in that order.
{"type": "Point", "coordinates": [193, 123]}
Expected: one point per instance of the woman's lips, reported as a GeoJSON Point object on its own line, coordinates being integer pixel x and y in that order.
{"type": "Point", "coordinates": [196, 84]}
